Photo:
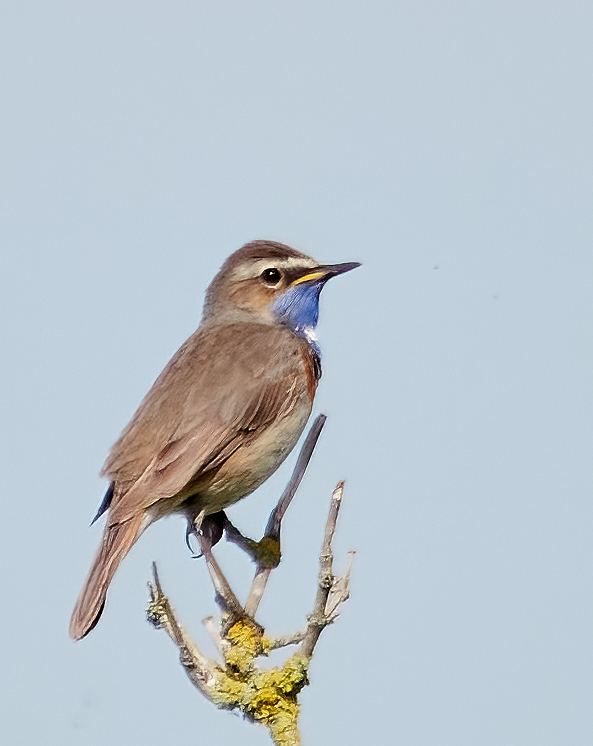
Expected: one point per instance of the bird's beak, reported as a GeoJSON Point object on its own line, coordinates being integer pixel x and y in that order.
{"type": "Point", "coordinates": [324, 272]}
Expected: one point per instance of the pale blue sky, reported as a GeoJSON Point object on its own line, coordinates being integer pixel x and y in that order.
{"type": "Point", "coordinates": [445, 145]}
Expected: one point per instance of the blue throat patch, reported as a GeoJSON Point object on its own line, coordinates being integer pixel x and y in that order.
{"type": "Point", "coordinates": [298, 308]}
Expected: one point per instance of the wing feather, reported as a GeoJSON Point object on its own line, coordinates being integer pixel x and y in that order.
{"type": "Point", "coordinates": [222, 388]}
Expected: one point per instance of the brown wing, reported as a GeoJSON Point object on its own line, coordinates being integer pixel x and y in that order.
{"type": "Point", "coordinates": [222, 388]}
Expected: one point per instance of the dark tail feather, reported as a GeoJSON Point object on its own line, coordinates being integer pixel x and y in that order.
{"type": "Point", "coordinates": [105, 502]}
{"type": "Point", "coordinates": [116, 543]}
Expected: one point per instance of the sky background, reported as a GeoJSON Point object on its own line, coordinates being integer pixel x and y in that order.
{"type": "Point", "coordinates": [445, 145]}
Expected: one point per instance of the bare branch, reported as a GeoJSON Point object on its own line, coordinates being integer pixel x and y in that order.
{"type": "Point", "coordinates": [208, 622]}
{"type": "Point", "coordinates": [225, 597]}
{"type": "Point", "coordinates": [276, 643]}
{"type": "Point", "coordinates": [272, 532]}
{"type": "Point", "coordinates": [340, 590]}
{"type": "Point", "coordinates": [318, 620]}
{"type": "Point", "coordinates": [197, 666]}
{"type": "Point", "coordinates": [258, 586]}
{"type": "Point", "coordinates": [277, 514]}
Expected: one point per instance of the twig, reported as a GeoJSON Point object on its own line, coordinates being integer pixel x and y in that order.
{"type": "Point", "coordinates": [225, 597]}
{"type": "Point", "coordinates": [262, 573]}
{"type": "Point", "coordinates": [276, 643]}
{"type": "Point", "coordinates": [277, 514]}
{"type": "Point", "coordinates": [340, 591]}
{"type": "Point", "coordinates": [200, 670]}
{"type": "Point", "coordinates": [208, 622]}
{"type": "Point", "coordinates": [318, 620]}
{"type": "Point", "coordinates": [256, 592]}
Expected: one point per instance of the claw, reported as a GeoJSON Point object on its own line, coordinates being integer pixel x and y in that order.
{"type": "Point", "coordinates": [189, 532]}
{"type": "Point", "coordinates": [210, 527]}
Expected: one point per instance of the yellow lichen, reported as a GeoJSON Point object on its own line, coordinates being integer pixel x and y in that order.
{"type": "Point", "coordinates": [266, 696]}
{"type": "Point", "coordinates": [246, 636]}
{"type": "Point", "coordinates": [246, 645]}
{"type": "Point", "coordinates": [273, 692]}
{"type": "Point", "coordinates": [268, 552]}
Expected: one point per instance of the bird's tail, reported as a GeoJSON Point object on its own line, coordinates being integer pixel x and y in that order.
{"type": "Point", "coordinates": [116, 542]}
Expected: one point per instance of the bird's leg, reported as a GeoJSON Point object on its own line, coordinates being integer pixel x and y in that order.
{"type": "Point", "coordinates": [209, 526]}
{"type": "Point", "coordinates": [265, 553]}
{"type": "Point", "coordinates": [203, 529]}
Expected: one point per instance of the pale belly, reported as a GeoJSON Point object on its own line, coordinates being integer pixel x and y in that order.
{"type": "Point", "coordinates": [248, 467]}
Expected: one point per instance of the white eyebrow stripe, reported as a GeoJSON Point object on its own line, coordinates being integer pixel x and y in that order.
{"type": "Point", "coordinates": [257, 266]}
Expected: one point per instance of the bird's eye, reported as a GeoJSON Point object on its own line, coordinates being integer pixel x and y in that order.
{"type": "Point", "coordinates": [271, 276]}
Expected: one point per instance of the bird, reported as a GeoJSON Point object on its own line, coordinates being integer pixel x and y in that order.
{"type": "Point", "coordinates": [224, 413]}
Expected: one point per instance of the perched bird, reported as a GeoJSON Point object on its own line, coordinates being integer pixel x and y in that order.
{"type": "Point", "coordinates": [224, 413]}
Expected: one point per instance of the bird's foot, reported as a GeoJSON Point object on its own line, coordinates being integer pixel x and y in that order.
{"type": "Point", "coordinates": [265, 553]}
{"type": "Point", "coordinates": [208, 527]}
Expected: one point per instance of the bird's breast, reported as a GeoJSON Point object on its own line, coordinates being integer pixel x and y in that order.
{"type": "Point", "coordinates": [253, 462]}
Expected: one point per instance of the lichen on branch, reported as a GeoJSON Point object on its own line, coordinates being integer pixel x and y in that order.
{"type": "Point", "coordinates": [268, 696]}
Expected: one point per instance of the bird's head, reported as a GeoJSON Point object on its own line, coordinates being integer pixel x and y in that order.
{"type": "Point", "coordinates": [270, 283]}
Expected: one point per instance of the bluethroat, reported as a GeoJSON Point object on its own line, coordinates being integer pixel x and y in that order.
{"type": "Point", "coordinates": [225, 412]}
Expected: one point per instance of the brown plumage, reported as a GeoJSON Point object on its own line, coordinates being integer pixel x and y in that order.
{"type": "Point", "coordinates": [219, 420]}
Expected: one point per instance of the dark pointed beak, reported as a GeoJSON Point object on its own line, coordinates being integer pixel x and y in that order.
{"type": "Point", "coordinates": [324, 272]}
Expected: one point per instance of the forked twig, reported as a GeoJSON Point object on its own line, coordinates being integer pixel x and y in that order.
{"type": "Point", "coordinates": [267, 696]}
{"type": "Point", "coordinates": [319, 619]}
